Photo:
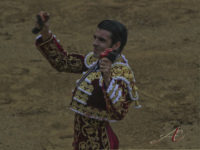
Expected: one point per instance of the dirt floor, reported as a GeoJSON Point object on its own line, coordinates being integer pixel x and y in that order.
{"type": "Point", "coordinates": [162, 49]}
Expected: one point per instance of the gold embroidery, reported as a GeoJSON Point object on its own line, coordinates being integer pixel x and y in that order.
{"type": "Point", "coordinates": [83, 146]}
{"type": "Point", "coordinates": [118, 70]}
{"type": "Point", "coordinates": [90, 59]}
{"type": "Point", "coordinates": [92, 132]}
{"type": "Point", "coordinates": [90, 111]}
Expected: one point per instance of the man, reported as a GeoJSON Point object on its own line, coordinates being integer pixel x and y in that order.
{"type": "Point", "coordinates": [105, 94]}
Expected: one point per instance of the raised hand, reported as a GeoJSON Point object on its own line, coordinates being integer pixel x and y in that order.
{"type": "Point", "coordinates": [42, 25]}
{"type": "Point", "coordinates": [105, 68]}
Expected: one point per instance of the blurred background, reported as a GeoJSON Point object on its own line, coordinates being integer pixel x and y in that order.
{"type": "Point", "coordinates": [162, 49]}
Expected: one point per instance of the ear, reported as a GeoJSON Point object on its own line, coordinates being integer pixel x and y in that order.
{"type": "Point", "coordinates": [116, 45]}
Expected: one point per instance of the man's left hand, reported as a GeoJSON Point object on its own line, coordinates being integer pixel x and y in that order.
{"type": "Point", "coordinates": [105, 68]}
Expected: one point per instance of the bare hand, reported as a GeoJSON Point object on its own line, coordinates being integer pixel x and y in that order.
{"type": "Point", "coordinates": [105, 68]}
{"type": "Point", "coordinates": [45, 29]}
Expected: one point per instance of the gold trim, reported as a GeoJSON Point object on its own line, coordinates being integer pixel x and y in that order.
{"type": "Point", "coordinates": [47, 41]}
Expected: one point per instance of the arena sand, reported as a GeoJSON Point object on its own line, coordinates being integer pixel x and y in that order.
{"type": "Point", "coordinates": [162, 49]}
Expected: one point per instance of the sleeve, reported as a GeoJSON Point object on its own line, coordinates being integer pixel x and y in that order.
{"type": "Point", "coordinates": [120, 93]}
{"type": "Point", "coordinates": [58, 57]}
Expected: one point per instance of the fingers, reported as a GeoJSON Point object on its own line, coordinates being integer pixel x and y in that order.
{"type": "Point", "coordinates": [42, 25]}
{"type": "Point", "coordinates": [105, 68]}
{"type": "Point", "coordinates": [105, 65]}
{"type": "Point", "coordinates": [42, 19]}
{"type": "Point", "coordinates": [44, 16]}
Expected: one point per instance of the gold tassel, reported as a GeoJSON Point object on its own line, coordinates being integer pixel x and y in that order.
{"type": "Point", "coordinates": [137, 104]}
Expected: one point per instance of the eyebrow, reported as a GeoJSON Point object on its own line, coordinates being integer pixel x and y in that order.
{"type": "Point", "coordinates": [100, 38]}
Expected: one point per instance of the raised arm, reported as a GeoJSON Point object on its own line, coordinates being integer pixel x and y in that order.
{"type": "Point", "coordinates": [52, 50]}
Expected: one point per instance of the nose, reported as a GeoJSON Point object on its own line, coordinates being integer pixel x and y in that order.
{"type": "Point", "coordinates": [95, 42]}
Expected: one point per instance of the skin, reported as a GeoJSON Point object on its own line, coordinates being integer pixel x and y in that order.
{"type": "Point", "coordinates": [102, 40]}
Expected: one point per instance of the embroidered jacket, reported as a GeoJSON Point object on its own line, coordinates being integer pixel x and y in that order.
{"type": "Point", "coordinates": [91, 99]}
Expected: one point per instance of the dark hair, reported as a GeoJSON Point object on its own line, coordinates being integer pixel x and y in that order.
{"type": "Point", "coordinates": [117, 29]}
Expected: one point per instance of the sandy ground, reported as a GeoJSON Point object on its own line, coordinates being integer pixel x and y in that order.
{"type": "Point", "coordinates": [162, 49]}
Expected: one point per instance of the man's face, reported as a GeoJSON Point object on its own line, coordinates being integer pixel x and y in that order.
{"type": "Point", "coordinates": [102, 40]}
